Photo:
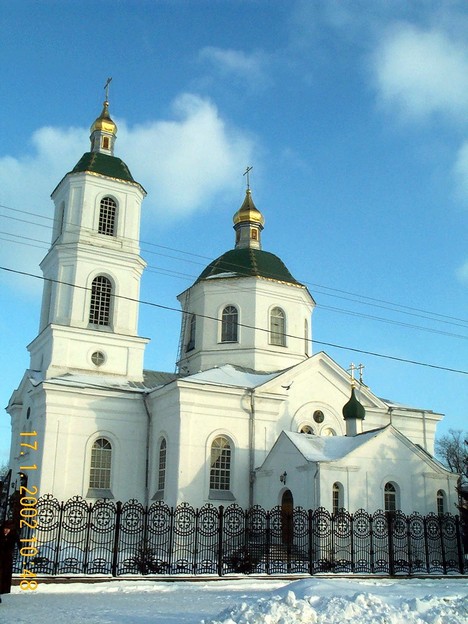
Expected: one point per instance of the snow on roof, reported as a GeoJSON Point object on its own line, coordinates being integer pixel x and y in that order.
{"type": "Point", "coordinates": [152, 379]}
{"type": "Point", "coordinates": [328, 448]}
{"type": "Point", "coordinates": [229, 375]}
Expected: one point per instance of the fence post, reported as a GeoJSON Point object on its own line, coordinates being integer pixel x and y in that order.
{"type": "Point", "coordinates": [220, 539]}
{"type": "Point", "coordinates": [311, 563]}
{"type": "Point", "coordinates": [461, 554]}
{"type": "Point", "coordinates": [442, 543]}
{"type": "Point", "coordinates": [409, 545]}
{"type": "Point", "coordinates": [353, 554]}
{"type": "Point", "coordinates": [87, 539]}
{"type": "Point", "coordinates": [118, 512]}
{"type": "Point", "coordinates": [391, 554]}
{"type": "Point", "coordinates": [59, 537]}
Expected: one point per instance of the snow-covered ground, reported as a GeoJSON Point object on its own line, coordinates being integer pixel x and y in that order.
{"type": "Point", "coordinates": [316, 600]}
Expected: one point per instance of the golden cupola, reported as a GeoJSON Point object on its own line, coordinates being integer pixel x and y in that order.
{"type": "Point", "coordinates": [103, 132]}
{"type": "Point", "coordinates": [248, 223]}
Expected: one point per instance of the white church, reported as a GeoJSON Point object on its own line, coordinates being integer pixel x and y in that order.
{"type": "Point", "coordinates": [251, 417]}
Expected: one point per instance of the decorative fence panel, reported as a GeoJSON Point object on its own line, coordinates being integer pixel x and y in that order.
{"type": "Point", "coordinates": [77, 537]}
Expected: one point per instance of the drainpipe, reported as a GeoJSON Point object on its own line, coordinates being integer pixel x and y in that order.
{"type": "Point", "coordinates": [251, 447]}
{"type": "Point", "coordinates": [148, 432]}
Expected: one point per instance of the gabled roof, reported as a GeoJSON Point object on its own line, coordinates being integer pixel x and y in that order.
{"type": "Point", "coordinates": [329, 448]}
{"type": "Point", "coordinates": [229, 375]}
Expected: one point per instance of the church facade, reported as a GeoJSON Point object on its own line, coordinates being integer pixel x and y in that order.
{"type": "Point", "coordinates": [251, 417]}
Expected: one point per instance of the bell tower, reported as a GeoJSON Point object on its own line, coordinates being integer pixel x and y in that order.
{"type": "Point", "coordinates": [92, 271]}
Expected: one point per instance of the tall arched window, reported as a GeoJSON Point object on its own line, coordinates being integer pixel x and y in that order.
{"type": "Point", "coordinates": [107, 216]}
{"type": "Point", "coordinates": [277, 327]}
{"type": "Point", "coordinates": [100, 308]}
{"type": "Point", "coordinates": [306, 337]}
{"type": "Point", "coordinates": [162, 465]}
{"type": "Point", "coordinates": [220, 464]}
{"type": "Point", "coordinates": [390, 497]}
{"type": "Point", "coordinates": [191, 333]}
{"type": "Point", "coordinates": [337, 497]}
{"type": "Point", "coordinates": [101, 460]}
{"type": "Point", "coordinates": [229, 324]}
{"type": "Point", "coordinates": [441, 505]}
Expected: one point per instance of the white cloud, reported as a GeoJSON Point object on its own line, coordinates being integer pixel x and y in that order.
{"type": "Point", "coordinates": [422, 72]}
{"type": "Point", "coordinates": [250, 68]}
{"type": "Point", "coordinates": [185, 164]}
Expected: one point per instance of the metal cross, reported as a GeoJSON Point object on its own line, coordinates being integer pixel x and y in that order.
{"type": "Point", "coordinates": [361, 367]}
{"type": "Point", "coordinates": [106, 87]}
{"type": "Point", "coordinates": [247, 173]}
{"type": "Point", "coordinates": [351, 369]}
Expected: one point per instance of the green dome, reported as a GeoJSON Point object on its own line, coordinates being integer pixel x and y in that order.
{"type": "Point", "coordinates": [353, 409]}
{"type": "Point", "coordinates": [249, 262]}
{"type": "Point", "coordinates": [110, 166]}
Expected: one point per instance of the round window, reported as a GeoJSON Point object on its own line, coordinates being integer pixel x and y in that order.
{"type": "Point", "coordinates": [319, 416]}
{"type": "Point", "coordinates": [98, 358]}
{"type": "Point", "coordinates": [306, 429]}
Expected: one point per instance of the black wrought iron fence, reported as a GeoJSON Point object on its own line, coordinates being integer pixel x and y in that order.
{"type": "Point", "coordinates": [77, 537]}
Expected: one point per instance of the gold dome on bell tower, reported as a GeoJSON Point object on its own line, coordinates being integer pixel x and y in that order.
{"type": "Point", "coordinates": [104, 122]}
{"type": "Point", "coordinates": [248, 221]}
{"type": "Point", "coordinates": [104, 130]}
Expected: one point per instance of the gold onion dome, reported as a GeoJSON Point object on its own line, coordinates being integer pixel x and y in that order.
{"type": "Point", "coordinates": [248, 212]}
{"type": "Point", "coordinates": [104, 122]}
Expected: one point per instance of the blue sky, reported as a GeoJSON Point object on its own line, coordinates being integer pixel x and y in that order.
{"type": "Point", "coordinates": [353, 116]}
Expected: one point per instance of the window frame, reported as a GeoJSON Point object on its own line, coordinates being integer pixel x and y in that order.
{"type": "Point", "coordinates": [101, 302]}
{"type": "Point", "coordinates": [192, 328]}
{"type": "Point", "coordinates": [100, 468]}
{"type": "Point", "coordinates": [441, 502]}
{"type": "Point", "coordinates": [162, 465]}
{"type": "Point", "coordinates": [337, 497]}
{"type": "Point", "coordinates": [277, 326]}
{"type": "Point", "coordinates": [391, 497]}
{"type": "Point", "coordinates": [229, 324]}
{"type": "Point", "coordinates": [107, 221]}
{"type": "Point", "coordinates": [221, 452]}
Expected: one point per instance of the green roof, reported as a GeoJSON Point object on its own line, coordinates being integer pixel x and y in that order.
{"type": "Point", "coordinates": [95, 162]}
{"type": "Point", "coordinates": [248, 262]}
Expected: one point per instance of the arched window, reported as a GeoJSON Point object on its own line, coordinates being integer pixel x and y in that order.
{"type": "Point", "coordinates": [99, 310]}
{"type": "Point", "coordinates": [277, 327]}
{"type": "Point", "coordinates": [220, 464]}
{"type": "Point", "coordinates": [306, 337]}
{"type": "Point", "coordinates": [59, 221]}
{"type": "Point", "coordinates": [191, 333]}
{"type": "Point", "coordinates": [162, 465]}
{"type": "Point", "coordinates": [441, 504]}
{"type": "Point", "coordinates": [100, 470]}
{"type": "Point", "coordinates": [229, 320]}
{"type": "Point", "coordinates": [390, 497]}
{"type": "Point", "coordinates": [337, 497]}
{"type": "Point", "coordinates": [107, 216]}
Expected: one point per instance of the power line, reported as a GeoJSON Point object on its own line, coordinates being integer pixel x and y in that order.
{"type": "Point", "coordinates": [317, 342]}
{"type": "Point", "coordinates": [235, 287]}
{"type": "Point", "coordinates": [342, 294]}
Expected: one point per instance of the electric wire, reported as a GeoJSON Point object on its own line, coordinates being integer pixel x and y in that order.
{"type": "Point", "coordinates": [247, 326]}
{"type": "Point", "coordinates": [344, 294]}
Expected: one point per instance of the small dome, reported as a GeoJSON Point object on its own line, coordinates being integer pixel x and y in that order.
{"type": "Point", "coordinates": [104, 123]}
{"type": "Point", "coordinates": [248, 212]}
{"type": "Point", "coordinates": [353, 408]}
